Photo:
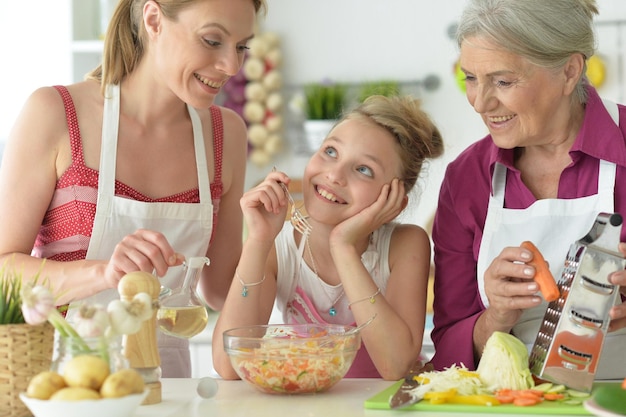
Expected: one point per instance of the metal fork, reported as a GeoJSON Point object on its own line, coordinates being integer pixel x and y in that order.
{"type": "Point", "coordinates": [297, 219]}
{"type": "Point", "coordinates": [354, 330]}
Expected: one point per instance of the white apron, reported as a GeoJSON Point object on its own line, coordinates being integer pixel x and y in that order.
{"type": "Point", "coordinates": [186, 226]}
{"type": "Point", "coordinates": [552, 225]}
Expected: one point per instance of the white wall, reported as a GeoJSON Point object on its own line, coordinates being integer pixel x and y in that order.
{"type": "Point", "coordinates": [34, 51]}
{"type": "Point", "coordinates": [349, 40]}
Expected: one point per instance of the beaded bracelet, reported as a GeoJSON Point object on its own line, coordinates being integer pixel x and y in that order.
{"type": "Point", "coordinates": [371, 298]}
{"type": "Point", "coordinates": [244, 291]}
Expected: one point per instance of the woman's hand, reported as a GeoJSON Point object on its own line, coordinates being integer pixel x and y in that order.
{"type": "Point", "coordinates": [264, 207]}
{"type": "Point", "coordinates": [144, 250]}
{"type": "Point", "coordinates": [390, 202]}
{"type": "Point", "coordinates": [510, 288]}
{"type": "Point", "coordinates": [618, 312]}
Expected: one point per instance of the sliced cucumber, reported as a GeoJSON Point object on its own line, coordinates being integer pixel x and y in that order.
{"type": "Point", "coordinates": [577, 394]}
{"type": "Point", "coordinates": [557, 388]}
{"type": "Point", "coordinates": [572, 401]}
{"type": "Point", "coordinates": [545, 387]}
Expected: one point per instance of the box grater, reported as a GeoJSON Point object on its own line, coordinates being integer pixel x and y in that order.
{"type": "Point", "coordinates": [568, 344]}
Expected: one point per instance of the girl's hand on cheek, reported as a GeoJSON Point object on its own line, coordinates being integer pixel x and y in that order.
{"type": "Point", "coordinates": [393, 202]}
{"type": "Point", "coordinates": [386, 207]}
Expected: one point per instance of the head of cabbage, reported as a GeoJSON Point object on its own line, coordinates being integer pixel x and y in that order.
{"type": "Point", "coordinates": [504, 363]}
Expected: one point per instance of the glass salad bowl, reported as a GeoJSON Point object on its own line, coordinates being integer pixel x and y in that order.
{"type": "Point", "coordinates": [292, 359]}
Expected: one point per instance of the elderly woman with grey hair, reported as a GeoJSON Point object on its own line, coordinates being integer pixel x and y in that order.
{"type": "Point", "coordinates": [554, 158]}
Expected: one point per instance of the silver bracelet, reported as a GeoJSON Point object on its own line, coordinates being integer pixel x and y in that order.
{"type": "Point", "coordinates": [371, 298]}
{"type": "Point", "coordinates": [244, 290]}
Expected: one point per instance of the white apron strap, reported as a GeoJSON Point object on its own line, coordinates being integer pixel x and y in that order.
{"type": "Point", "coordinates": [106, 171]}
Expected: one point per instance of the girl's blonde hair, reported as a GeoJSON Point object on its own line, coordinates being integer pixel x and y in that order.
{"type": "Point", "coordinates": [415, 132]}
{"type": "Point", "coordinates": [126, 37]}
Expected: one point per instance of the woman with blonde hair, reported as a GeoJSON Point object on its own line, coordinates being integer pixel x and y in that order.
{"type": "Point", "coordinates": [135, 168]}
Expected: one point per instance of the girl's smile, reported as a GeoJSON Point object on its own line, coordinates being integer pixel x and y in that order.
{"type": "Point", "coordinates": [350, 168]}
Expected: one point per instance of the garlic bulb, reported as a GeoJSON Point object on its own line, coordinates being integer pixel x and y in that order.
{"type": "Point", "coordinates": [253, 69]}
{"type": "Point", "coordinates": [274, 123]}
{"type": "Point", "coordinates": [257, 134]}
{"type": "Point", "coordinates": [91, 320]}
{"type": "Point", "coordinates": [255, 91]}
{"type": "Point", "coordinates": [274, 102]}
{"type": "Point", "coordinates": [254, 112]}
{"type": "Point", "coordinates": [273, 80]}
{"type": "Point", "coordinates": [37, 303]}
{"type": "Point", "coordinates": [126, 317]}
{"type": "Point", "coordinates": [259, 157]}
{"type": "Point", "coordinates": [258, 47]}
{"type": "Point", "coordinates": [272, 144]}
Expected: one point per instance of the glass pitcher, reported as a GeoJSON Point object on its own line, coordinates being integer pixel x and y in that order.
{"type": "Point", "coordinates": [183, 312]}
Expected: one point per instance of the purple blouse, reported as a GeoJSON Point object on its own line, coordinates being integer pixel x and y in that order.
{"type": "Point", "coordinates": [462, 209]}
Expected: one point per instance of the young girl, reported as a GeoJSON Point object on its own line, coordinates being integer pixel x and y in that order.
{"type": "Point", "coordinates": [355, 263]}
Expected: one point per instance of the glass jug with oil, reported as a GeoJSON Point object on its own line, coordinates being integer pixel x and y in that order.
{"type": "Point", "coordinates": [183, 312]}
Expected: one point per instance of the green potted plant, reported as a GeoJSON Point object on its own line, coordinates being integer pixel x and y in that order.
{"type": "Point", "coordinates": [28, 348]}
{"type": "Point", "coordinates": [385, 88]}
{"type": "Point", "coordinates": [323, 104]}
{"type": "Point", "coordinates": [325, 100]}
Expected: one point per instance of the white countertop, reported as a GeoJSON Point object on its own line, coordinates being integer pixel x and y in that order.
{"type": "Point", "coordinates": [237, 398]}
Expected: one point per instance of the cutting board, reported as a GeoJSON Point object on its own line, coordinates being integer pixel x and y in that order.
{"type": "Point", "coordinates": [380, 401]}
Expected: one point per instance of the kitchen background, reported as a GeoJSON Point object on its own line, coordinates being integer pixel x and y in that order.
{"type": "Point", "coordinates": [46, 42]}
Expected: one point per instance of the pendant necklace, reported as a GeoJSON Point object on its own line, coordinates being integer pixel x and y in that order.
{"type": "Point", "coordinates": [332, 311]}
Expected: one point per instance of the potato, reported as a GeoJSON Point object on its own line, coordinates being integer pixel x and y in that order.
{"type": "Point", "coordinates": [122, 383]}
{"type": "Point", "coordinates": [75, 394]}
{"type": "Point", "coordinates": [86, 371]}
{"type": "Point", "coordinates": [44, 384]}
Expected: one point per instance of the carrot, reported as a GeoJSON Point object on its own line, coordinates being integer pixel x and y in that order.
{"type": "Point", "coordinates": [530, 393]}
{"type": "Point", "coordinates": [553, 396]}
{"type": "Point", "coordinates": [537, 393]}
{"type": "Point", "coordinates": [543, 276]}
{"type": "Point", "coordinates": [505, 398]}
{"type": "Point", "coordinates": [525, 401]}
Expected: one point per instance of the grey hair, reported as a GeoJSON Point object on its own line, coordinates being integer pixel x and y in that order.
{"type": "Point", "coordinates": [546, 32]}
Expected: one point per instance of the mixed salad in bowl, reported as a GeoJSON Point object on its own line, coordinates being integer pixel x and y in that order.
{"type": "Point", "coordinates": [292, 359]}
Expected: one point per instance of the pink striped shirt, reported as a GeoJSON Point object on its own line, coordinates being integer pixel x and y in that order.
{"type": "Point", "coordinates": [66, 229]}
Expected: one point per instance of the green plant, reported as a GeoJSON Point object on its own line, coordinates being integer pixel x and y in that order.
{"type": "Point", "coordinates": [324, 101]}
{"type": "Point", "coordinates": [385, 88]}
{"type": "Point", "coordinates": [10, 298]}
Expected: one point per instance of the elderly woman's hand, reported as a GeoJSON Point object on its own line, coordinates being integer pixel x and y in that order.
{"type": "Point", "coordinates": [510, 288]}
{"type": "Point", "coordinates": [618, 312]}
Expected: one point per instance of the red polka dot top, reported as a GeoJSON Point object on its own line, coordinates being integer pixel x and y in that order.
{"type": "Point", "coordinates": [67, 224]}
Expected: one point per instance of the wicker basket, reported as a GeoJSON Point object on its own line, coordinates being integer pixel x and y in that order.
{"type": "Point", "coordinates": [25, 350]}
